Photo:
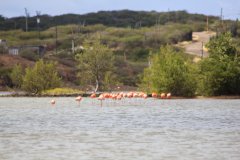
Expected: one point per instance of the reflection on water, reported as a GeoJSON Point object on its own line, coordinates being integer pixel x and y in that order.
{"type": "Point", "coordinates": [30, 128]}
{"type": "Point", "coordinates": [5, 93]}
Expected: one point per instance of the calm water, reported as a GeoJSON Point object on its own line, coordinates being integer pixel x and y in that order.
{"type": "Point", "coordinates": [30, 128]}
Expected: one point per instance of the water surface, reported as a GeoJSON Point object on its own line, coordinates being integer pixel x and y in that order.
{"type": "Point", "coordinates": [31, 128]}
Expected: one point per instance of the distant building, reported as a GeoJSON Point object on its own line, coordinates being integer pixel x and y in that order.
{"type": "Point", "coordinates": [13, 50]}
{"type": "Point", "coordinates": [3, 42]}
{"type": "Point", "coordinates": [40, 50]}
{"type": "Point", "coordinates": [3, 46]}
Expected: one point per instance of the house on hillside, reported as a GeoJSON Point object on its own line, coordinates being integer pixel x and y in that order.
{"type": "Point", "coordinates": [3, 42]}
{"type": "Point", "coordinates": [35, 49]}
{"type": "Point", "coordinates": [13, 50]}
{"type": "Point", "coordinates": [3, 46]}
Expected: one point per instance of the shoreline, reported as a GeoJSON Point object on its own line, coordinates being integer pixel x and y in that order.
{"type": "Point", "coordinates": [15, 94]}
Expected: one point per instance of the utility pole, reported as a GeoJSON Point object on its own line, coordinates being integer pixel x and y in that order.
{"type": "Point", "coordinates": [56, 36]}
{"type": "Point", "coordinates": [27, 15]}
{"type": "Point", "coordinates": [38, 23]}
{"type": "Point", "coordinates": [79, 28]}
{"type": "Point", "coordinates": [124, 55]}
{"type": "Point", "coordinates": [202, 49]}
{"type": "Point", "coordinates": [222, 17]}
{"type": "Point", "coordinates": [15, 25]}
{"type": "Point", "coordinates": [84, 23]}
{"type": "Point", "coordinates": [73, 47]}
{"type": "Point", "coordinates": [156, 24]}
{"type": "Point", "coordinates": [159, 23]}
{"type": "Point", "coordinates": [207, 24]}
{"type": "Point", "coordinates": [176, 16]}
{"type": "Point", "coordinates": [168, 15]}
{"type": "Point", "coordinates": [149, 59]}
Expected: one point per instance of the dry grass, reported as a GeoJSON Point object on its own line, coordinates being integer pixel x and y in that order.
{"type": "Point", "coordinates": [9, 61]}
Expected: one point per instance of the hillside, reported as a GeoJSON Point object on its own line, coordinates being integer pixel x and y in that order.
{"type": "Point", "coordinates": [122, 18]}
{"type": "Point", "coordinates": [132, 45]}
{"type": "Point", "coordinates": [8, 61]}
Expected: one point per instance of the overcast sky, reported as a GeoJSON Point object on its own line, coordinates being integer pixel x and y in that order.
{"type": "Point", "coordinates": [12, 8]}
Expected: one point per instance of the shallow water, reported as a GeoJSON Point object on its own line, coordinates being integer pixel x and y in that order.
{"type": "Point", "coordinates": [5, 93]}
{"type": "Point", "coordinates": [30, 128]}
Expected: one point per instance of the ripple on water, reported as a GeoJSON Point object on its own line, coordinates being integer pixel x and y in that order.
{"type": "Point", "coordinates": [30, 128]}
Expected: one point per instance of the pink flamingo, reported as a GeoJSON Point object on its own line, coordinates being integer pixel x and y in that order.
{"type": "Point", "coordinates": [53, 102]}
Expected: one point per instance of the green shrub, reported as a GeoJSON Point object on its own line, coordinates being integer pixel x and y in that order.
{"type": "Point", "coordinates": [29, 54]}
{"type": "Point", "coordinates": [41, 77]}
{"type": "Point", "coordinates": [61, 91]}
{"type": "Point", "coordinates": [17, 76]}
{"type": "Point", "coordinates": [220, 72]}
{"type": "Point", "coordinates": [3, 50]}
{"type": "Point", "coordinates": [169, 72]}
{"type": "Point", "coordinates": [5, 79]}
{"type": "Point", "coordinates": [27, 35]}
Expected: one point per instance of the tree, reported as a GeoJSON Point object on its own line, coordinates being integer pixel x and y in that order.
{"type": "Point", "coordinates": [94, 63]}
{"type": "Point", "coordinates": [3, 49]}
{"type": "Point", "coordinates": [2, 19]}
{"type": "Point", "coordinates": [29, 54]}
{"type": "Point", "coordinates": [221, 45]}
{"type": "Point", "coordinates": [110, 80]}
{"type": "Point", "coordinates": [5, 80]}
{"type": "Point", "coordinates": [41, 77]}
{"type": "Point", "coordinates": [170, 72]}
{"type": "Point", "coordinates": [234, 28]}
{"type": "Point", "coordinates": [220, 72]}
{"type": "Point", "coordinates": [17, 76]}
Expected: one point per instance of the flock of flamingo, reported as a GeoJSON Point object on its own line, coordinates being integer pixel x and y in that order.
{"type": "Point", "coordinates": [120, 96]}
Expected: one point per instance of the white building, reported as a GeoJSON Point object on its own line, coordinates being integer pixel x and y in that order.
{"type": "Point", "coordinates": [13, 51]}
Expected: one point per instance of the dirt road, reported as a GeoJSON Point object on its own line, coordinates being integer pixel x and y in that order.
{"type": "Point", "coordinates": [195, 47]}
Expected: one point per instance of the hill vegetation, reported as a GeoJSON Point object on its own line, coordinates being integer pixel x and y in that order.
{"type": "Point", "coordinates": [133, 38]}
{"type": "Point", "coordinates": [123, 18]}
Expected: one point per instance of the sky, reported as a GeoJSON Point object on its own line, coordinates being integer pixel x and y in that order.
{"type": "Point", "coordinates": [13, 8]}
